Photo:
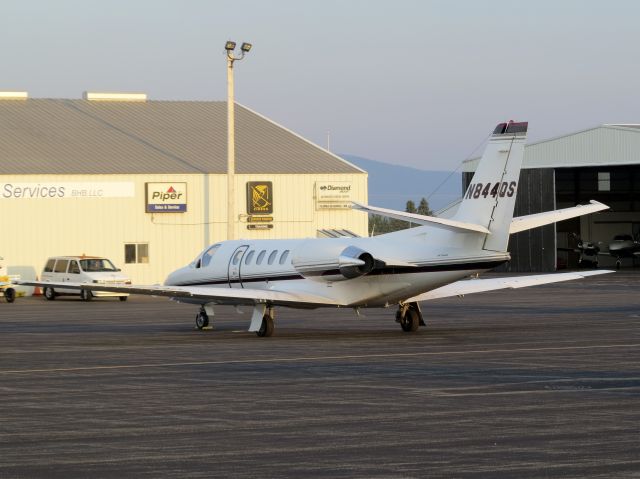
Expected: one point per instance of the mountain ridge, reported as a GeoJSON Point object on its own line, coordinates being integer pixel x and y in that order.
{"type": "Point", "coordinates": [391, 186]}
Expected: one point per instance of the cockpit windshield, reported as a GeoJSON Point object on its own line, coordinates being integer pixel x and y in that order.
{"type": "Point", "coordinates": [95, 265]}
{"type": "Point", "coordinates": [205, 260]}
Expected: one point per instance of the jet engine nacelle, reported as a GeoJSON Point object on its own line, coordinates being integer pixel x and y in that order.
{"type": "Point", "coordinates": [333, 262]}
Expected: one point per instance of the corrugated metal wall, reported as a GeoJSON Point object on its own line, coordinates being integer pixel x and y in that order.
{"type": "Point", "coordinates": [533, 250]}
{"type": "Point", "coordinates": [603, 145]}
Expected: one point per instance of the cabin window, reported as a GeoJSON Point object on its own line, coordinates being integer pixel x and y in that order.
{"type": "Point", "coordinates": [237, 257]}
{"type": "Point", "coordinates": [283, 258]}
{"type": "Point", "coordinates": [272, 256]}
{"type": "Point", "coordinates": [261, 256]}
{"type": "Point", "coordinates": [249, 256]}
{"type": "Point", "coordinates": [207, 256]}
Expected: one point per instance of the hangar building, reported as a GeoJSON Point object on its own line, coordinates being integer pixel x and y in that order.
{"type": "Point", "coordinates": [144, 182]}
{"type": "Point", "coordinates": [601, 163]}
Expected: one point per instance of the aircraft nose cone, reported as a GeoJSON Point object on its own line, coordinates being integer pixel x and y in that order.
{"type": "Point", "coordinates": [171, 279]}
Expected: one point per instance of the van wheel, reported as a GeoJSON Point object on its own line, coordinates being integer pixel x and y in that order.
{"type": "Point", "coordinates": [49, 293]}
{"type": "Point", "coordinates": [86, 295]}
{"type": "Point", "coordinates": [10, 295]}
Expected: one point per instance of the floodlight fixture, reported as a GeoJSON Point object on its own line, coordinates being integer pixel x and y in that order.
{"type": "Point", "coordinates": [230, 46]}
{"type": "Point", "coordinates": [246, 47]}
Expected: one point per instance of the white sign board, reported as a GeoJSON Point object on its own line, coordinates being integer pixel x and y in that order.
{"type": "Point", "coordinates": [333, 195]}
{"type": "Point", "coordinates": [166, 197]}
{"type": "Point", "coordinates": [58, 190]}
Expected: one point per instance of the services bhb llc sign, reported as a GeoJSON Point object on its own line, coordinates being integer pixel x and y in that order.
{"type": "Point", "coordinates": [166, 197]}
{"type": "Point", "coordinates": [61, 190]}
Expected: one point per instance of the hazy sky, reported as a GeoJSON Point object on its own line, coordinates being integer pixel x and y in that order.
{"type": "Point", "coordinates": [419, 83]}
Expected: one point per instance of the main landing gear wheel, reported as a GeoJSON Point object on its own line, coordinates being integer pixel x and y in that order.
{"type": "Point", "coordinates": [86, 295]}
{"type": "Point", "coordinates": [409, 317]}
{"type": "Point", "coordinates": [267, 327]}
{"type": "Point", "coordinates": [202, 319]}
{"type": "Point", "coordinates": [49, 293]}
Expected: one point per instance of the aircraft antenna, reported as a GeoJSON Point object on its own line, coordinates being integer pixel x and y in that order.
{"type": "Point", "coordinates": [458, 167]}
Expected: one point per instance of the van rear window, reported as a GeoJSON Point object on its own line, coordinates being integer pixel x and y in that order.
{"type": "Point", "coordinates": [48, 268]}
{"type": "Point", "coordinates": [61, 266]}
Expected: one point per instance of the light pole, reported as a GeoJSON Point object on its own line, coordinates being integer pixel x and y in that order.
{"type": "Point", "coordinates": [231, 146]}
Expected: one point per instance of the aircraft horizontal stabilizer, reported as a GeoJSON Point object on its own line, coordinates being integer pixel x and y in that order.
{"type": "Point", "coordinates": [201, 294]}
{"type": "Point", "coordinates": [421, 219]}
{"type": "Point", "coordinates": [469, 286]}
{"type": "Point", "coordinates": [522, 223]}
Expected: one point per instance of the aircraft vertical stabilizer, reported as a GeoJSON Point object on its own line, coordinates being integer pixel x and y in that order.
{"type": "Point", "coordinates": [491, 195]}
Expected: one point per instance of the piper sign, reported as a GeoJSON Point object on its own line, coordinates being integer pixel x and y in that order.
{"type": "Point", "coordinates": [166, 197]}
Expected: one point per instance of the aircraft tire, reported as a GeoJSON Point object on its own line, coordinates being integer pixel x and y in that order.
{"type": "Point", "coordinates": [202, 320]}
{"type": "Point", "coordinates": [410, 322]}
{"type": "Point", "coordinates": [266, 328]}
{"type": "Point", "coordinates": [86, 295]}
{"type": "Point", "coordinates": [49, 293]}
{"type": "Point", "coordinates": [123, 298]}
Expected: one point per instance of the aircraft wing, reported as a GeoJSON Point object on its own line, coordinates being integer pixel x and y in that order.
{"type": "Point", "coordinates": [421, 219]}
{"type": "Point", "coordinates": [469, 286]}
{"type": "Point", "coordinates": [201, 294]}
{"type": "Point", "coordinates": [522, 223]}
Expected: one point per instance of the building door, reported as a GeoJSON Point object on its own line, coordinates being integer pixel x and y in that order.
{"type": "Point", "coordinates": [234, 275]}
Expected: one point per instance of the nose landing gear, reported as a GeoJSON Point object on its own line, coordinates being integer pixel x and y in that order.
{"type": "Point", "coordinates": [202, 318]}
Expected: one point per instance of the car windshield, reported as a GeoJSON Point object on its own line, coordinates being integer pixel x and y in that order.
{"type": "Point", "coordinates": [96, 265]}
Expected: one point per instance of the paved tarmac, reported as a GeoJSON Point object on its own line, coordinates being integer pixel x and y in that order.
{"type": "Point", "coordinates": [540, 382]}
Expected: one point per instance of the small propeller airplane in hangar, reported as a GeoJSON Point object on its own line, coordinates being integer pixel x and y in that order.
{"type": "Point", "coordinates": [395, 269]}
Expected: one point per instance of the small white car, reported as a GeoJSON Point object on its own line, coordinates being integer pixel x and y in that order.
{"type": "Point", "coordinates": [82, 269]}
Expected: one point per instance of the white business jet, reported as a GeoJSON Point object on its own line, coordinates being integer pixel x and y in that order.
{"type": "Point", "coordinates": [396, 269]}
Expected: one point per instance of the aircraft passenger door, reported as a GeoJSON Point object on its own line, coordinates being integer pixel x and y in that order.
{"type": "Point", "coordinates": [234, 274]}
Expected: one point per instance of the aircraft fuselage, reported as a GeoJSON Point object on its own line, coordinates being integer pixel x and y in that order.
{"type": "Point", "coordinates": [404, 268]}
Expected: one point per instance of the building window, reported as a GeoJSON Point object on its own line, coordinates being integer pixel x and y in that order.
{"type": "Point", "coordinates": [604, 181]}
{"type": "Point", "coordinates": [136, 253]}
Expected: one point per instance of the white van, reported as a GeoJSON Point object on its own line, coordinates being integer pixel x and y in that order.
{"type": "Point", "coordinates": [82, 269]}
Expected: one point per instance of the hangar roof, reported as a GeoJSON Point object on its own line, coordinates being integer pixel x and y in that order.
{"type": "Point", "coordinates": [604, 145]}
{"type": "Point", "coordinates": [57, 136]}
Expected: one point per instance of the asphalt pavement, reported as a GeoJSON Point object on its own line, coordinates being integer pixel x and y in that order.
{"type": "Point", "coordinates": [539, 382]}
